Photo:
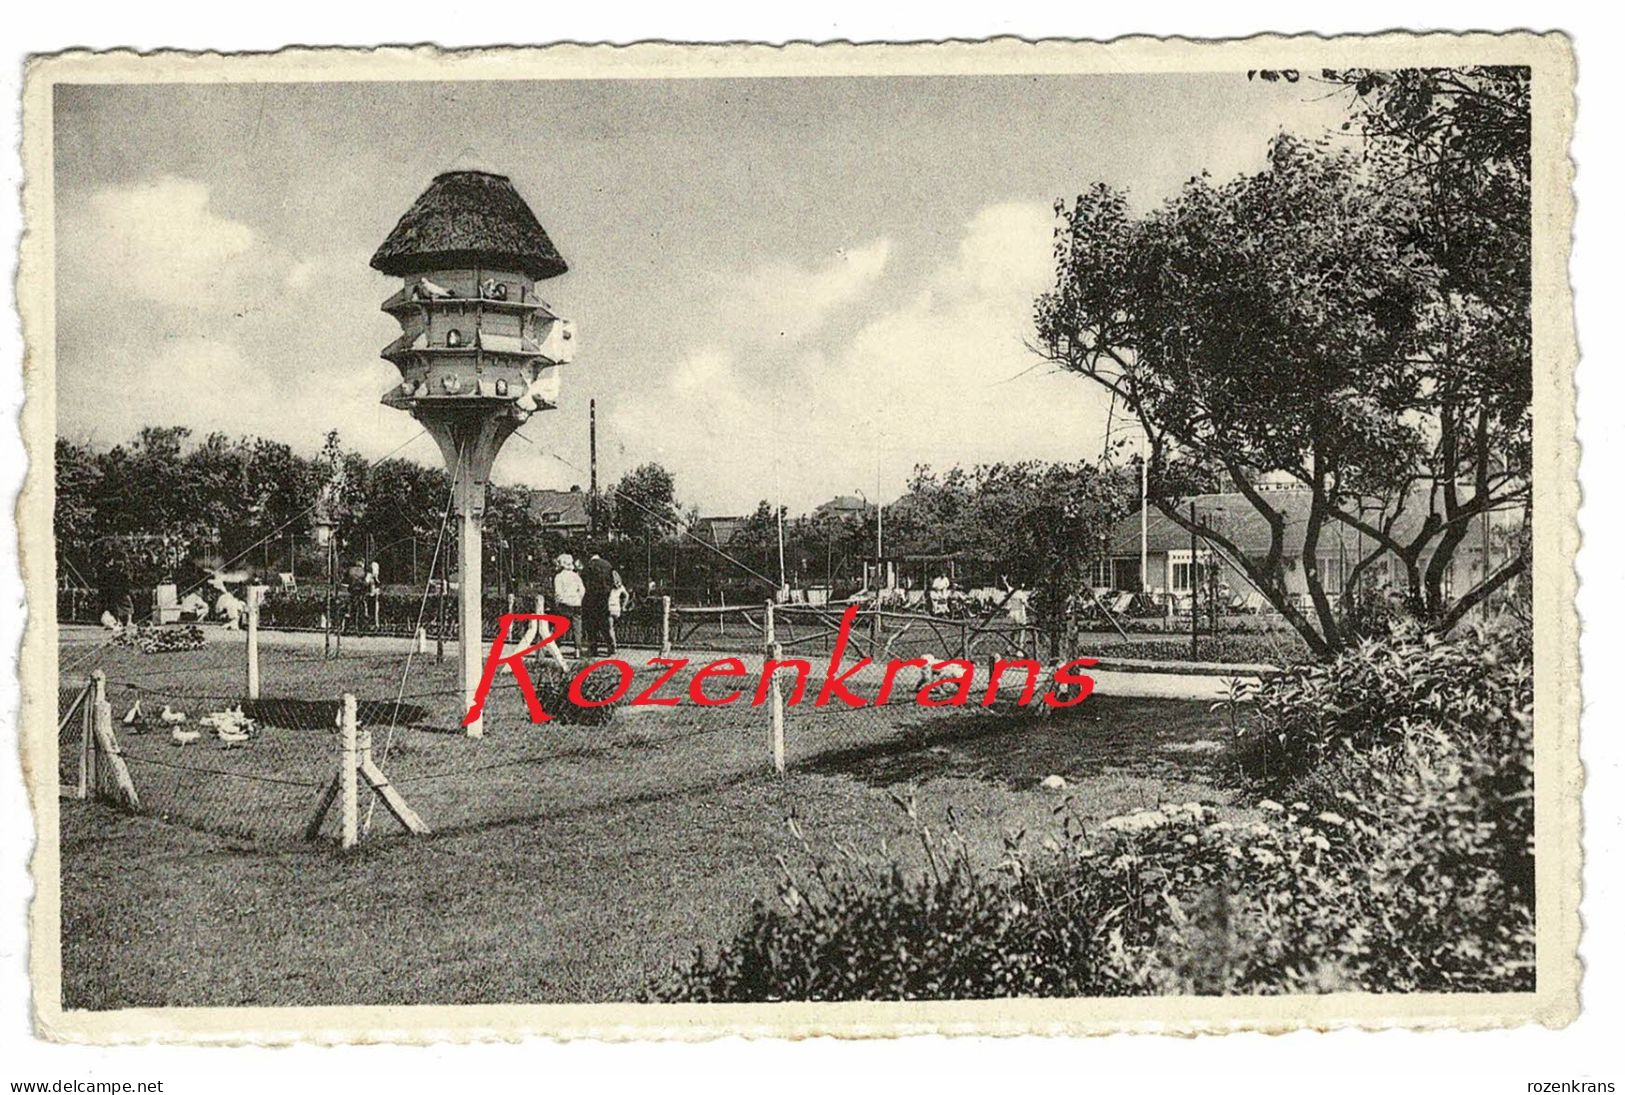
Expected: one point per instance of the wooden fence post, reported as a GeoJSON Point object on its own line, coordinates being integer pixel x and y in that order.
{"type": "Point", "coordinates": [110, 763]}
{"type": "Point", "coordinates": [552, 647]}
{"type": "Point", "coordinates": [348, 764]}
{"type": "Point", "coordinates": [386, 791]}
{"type": "Point", "coordinates": [88, 781]}
{"type": "Point", "coordinates": [768, 623]}
{"type": "Point", "coordinates": [777, 652]}
{"type": "Point", "coordinates": [665, 627]}
{"type": "Point", "coordinates": [253, 667]}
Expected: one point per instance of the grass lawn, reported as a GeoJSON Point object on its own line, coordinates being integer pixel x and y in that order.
{"type": "Point", "coordinates": [568, 863]}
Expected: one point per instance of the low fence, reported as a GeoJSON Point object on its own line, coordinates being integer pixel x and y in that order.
{"type": "Point", "coordinates": [401, 615]}
{"type": "Point", "coordinates": [268, 738]}
{"type": "Point", "coordinates": [881, 634]}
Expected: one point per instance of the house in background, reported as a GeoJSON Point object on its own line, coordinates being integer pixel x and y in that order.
{"type": "Point", "coordinates": [719, 532]}
{"type": "Point", "coordinates": [1168, 555]}
{"type": "Point", "coordinates": [561, 511]}
{"type": "Point", "coordinates": [843, 507]}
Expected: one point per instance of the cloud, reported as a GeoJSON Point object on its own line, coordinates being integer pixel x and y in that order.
{"type": "Point", "coordinates": [942, 376]}
{"type": "Point", "coordinates": [953, 379]}
{"type": "Point", "coordinates": [811, 379]}
{"type": "Point", "coordinates": [160, 242]}
{"type": "Point", "coordinates": [170, 313]}
{"type": "Point", "coordinates": [786, 301]}
{"type": "Point", "coordinates": [192, 380]}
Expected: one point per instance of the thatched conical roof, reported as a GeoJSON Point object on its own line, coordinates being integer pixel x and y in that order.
{"type": "Point", "coordinates": [469, 218]}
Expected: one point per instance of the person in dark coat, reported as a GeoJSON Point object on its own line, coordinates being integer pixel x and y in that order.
{"type": "Point", "coordinates": [599, 579]}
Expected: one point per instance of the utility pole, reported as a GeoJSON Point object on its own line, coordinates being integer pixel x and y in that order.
{"type": "Point", "coordinates": [880, 538]}
{"type": "Point", "coordinates": [829, 564]}
{"type": "Point", "coordinates": [1144, 493]}
{"type": "Point", "coordinates": [780, 514]}
{"type": "Point", "coordinates": [1191, 581]}
{"type": "Point", "coordinates": [592, 468]}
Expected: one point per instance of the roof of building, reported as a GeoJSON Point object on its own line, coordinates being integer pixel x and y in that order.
{"type": "Point", "coordinates": [843, 503]}
{"type": "Point", "coordinates": [569, 506]}
{"type": "Point", "coordinates": [721, 529]}
{"type": "Point", "coordinates": [469, 218]}
{"type": "Point", "coordinates": [1232, 515]}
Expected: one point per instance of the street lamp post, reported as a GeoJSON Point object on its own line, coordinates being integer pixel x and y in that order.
{"type": "Point", "coordinates": [880, 561]}
{"type": "Point", "coordinates": [880, 540]}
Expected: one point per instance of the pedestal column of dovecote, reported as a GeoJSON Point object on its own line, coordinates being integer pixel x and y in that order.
{"type": "Point", "coordinates": [480, 351]}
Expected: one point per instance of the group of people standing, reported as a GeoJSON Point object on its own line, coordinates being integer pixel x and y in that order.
{"type": "Point", "coordinates": [592, 596]}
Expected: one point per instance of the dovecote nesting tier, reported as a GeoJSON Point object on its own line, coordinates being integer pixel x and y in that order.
{"type": "Point", "coordinates": [469, 253]}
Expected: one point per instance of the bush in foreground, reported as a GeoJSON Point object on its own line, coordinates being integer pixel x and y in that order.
{"type": "Point", "coordinates": [1384, 706]}
{"type": "Point", "coordinates": [1418, 876]}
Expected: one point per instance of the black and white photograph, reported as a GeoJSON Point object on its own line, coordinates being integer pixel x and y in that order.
{"type": "Point", "coordinates": [1008, 536]}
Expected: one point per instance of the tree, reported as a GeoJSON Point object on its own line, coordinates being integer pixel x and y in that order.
{"type": "Point", "coordinates": [281, 488]}
{"type": "Point", "coordinates": [1052, 522]}
{"type": "Point", "coordinates": [341, 495]}
{"type": "Point", "coordinates": [1295, 321]}
{"type": "Point", "coordinates": [215, 486]}
{"type": "Point", "coordinates": [407, 504]}
{"type": "Point", "coordinates": [825, 547]}
{"type": "Point", "coordinates": [1466, 134]}
{"type": "Point", "coordinates": [78, 478]}
{"type": "Point", "coordinates": [756, 542]}
{"type": "Point", "coordinates": [1043, 525]}
{"type": "Point", "coordinates": [929, 519]}
{"type": "Point", "coordinates": [643, 504]}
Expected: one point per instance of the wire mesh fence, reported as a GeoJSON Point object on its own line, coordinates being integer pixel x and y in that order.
{"type": "Point", "coordinates": [201, 751]}
{"type": "Point", "coordinates": [807, 630]}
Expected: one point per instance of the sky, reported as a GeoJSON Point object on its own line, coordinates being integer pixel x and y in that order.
{"type": "Point", "coordinates": [784, 289]}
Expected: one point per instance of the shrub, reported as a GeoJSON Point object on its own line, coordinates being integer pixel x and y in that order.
{"type": "Point", "coordinates": [160, 640]}
{"type": "Point", "coordinates": [553, 692]}
{"type": "Point", "coordinates": [1321, 728]}
{"type": "Point", "coordinates": [400, 614]}
{"type": "Point", "coordinates": [1408, 894]}
{"type": "Point", "coordinates": [1261, 649]}
{"type": "Point", "coordinates": [1416, 873]}
{"type": "Point", "coordinates": [850, 930]}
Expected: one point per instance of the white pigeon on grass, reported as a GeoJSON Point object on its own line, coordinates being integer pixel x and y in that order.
{"type": "Point", "coordinates": [924, 674]}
